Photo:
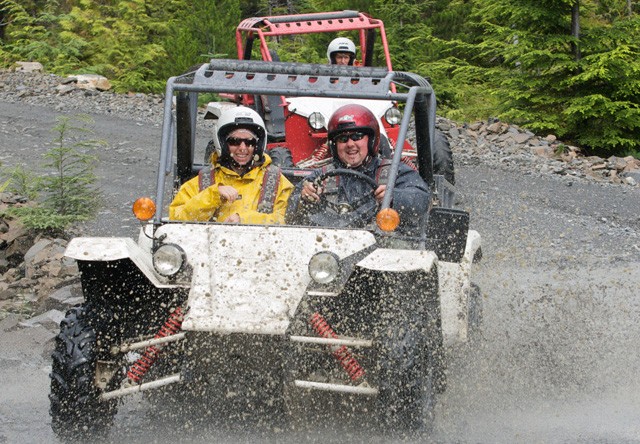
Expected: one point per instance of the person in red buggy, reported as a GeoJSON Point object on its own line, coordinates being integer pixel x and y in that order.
{"type": "Point", "coordinates": [348, 192]}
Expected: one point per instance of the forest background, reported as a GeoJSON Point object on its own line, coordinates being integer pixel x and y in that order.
{"type": "Point", "coordinates": [567, 67]}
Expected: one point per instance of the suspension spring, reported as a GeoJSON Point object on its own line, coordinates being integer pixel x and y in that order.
{"type": "Point", "coordinates": [143, 364]}
{"type": "Point", "coordinates": [342, 353]}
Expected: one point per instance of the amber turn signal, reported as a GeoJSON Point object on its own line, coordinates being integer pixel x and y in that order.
{"type": "Point", "coordinates": [388, 219]}
{"type": "Point", "coordinates": [144, 208]}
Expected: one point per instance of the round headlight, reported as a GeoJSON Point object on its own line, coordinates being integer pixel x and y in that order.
{"type": "Point", "coordinates": [316, 121]}
{"type": "Point", "coordinates": [393, 116]}
{"type": "Point", "coordinates": [168, 259]}
{"type": "Point", "coordinates": [324, 267]}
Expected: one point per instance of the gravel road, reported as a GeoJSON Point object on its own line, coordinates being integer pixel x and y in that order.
{"type": "Point", "coordinates": [560, 281]}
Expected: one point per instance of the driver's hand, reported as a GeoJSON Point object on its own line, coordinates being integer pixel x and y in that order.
{"type": "Point", "coordinates": [379, 193]}
{"type": "Point", "coordinates": [228, 193]}
{"type": "Point", "coordinates": [310, 193]}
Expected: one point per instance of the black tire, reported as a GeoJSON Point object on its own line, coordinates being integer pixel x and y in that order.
{"type": "Point", "coordinates": [281, 156]}
{"type": "Point", "coordinates": [474, 312]}
{"type": "Point", "coordinates": [443, 157]}
{"type": "Point", "coordinates": [76, 412]}
{"type": "Point", "coordinates": [406, 381]}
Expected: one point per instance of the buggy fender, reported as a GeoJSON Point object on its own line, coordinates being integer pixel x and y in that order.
{"type": "Point", "coordinates": [455, 285]}
{"type": "Point", "coordinates": [106, 249]}
{"type": "Point", "coordinates": [399, 261]}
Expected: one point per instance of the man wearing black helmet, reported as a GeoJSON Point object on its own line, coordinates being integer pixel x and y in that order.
{"type": "Point", "coordinates": [354, 142]}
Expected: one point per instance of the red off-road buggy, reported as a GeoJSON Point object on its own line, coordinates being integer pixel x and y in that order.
{"type": "Point", "coordinates": [297, 125]}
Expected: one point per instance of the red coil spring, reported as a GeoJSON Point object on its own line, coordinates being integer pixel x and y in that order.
{"type": "Point", "coordinates": [342, 353]}
{"type": "Point", "coordinates": [320, 153]}
{"type": "Point", "coordinates": [144, 363]}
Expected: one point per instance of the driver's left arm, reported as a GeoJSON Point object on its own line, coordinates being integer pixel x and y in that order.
{"type": "Point", "coordinates": [411, 194]}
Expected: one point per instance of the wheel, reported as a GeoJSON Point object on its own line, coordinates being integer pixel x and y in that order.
{"type": "Point", "coordinates": [281, 157]}
{"type": "Point", "coordinates": [406, 382]}
{"type": "Point", "coordinates": [443, 157]}
{"type": "Point", "coordinates": [76, 412]}
{"type": "Point", "coordinates": [474, 312]}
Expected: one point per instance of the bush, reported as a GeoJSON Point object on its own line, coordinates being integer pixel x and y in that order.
{"type": "Point", "coordinates": [66, 194]}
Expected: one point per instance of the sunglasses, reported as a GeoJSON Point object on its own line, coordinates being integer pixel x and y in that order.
{"type": "Point", "coordinates": [236, 141]}
{"type": "Point", "coordinates": [343, 138]}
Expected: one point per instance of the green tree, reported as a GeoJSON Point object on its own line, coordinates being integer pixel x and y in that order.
{"type": "Point", "coordinates": [67, 193]}
{"type": "Point", "coordinates": [200, 30]}
{"type": "Point", "coordinates": [525, 55]}
{"type": "Point", "coordinates": [29, 31]}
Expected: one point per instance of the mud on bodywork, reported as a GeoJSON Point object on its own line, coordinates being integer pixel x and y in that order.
{"type": "Point", "coordinates": [238, 311]}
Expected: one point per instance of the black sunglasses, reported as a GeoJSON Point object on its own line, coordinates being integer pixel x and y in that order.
{"type": "Point", "coordinates": [236, 141]}
{"type": "Point", "coordinates": [343, 138]}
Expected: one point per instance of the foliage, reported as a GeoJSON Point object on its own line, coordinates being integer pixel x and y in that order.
{"type": "Point", "coordinates": [21, 182]}
{"type": "Point", "coordinates": [512, 59]}
{"type": "Point", "coordinates": [67, 193]}
{"type": "Point", "coordinates": [592, 100]}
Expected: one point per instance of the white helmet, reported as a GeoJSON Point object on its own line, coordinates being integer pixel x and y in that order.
{"type": "Point", "coordinates": [341, 44]}
{"type": "Point", "coordinates": [239, 117]}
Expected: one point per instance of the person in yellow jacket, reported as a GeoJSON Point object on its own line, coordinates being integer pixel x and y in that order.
{"type": "Point", "coordinates": [242, 185]}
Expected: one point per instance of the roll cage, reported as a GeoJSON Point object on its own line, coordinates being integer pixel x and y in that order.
{"type": "Point", "coordinates": [265, 28]}
{"type": "Point", "coordinates": [234, 77]}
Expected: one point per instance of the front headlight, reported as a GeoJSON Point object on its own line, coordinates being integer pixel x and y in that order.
{"type": "Point", "coordinates": [393, 116]}
{"type": "Point", "coordinates": [316, 121]}
{"type": "Point", "coordinates": [324, 267]}
{"type": "Point", "coordinates": [168, 259]}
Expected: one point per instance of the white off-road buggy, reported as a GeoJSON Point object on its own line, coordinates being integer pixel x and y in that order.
{"type": "Point", "coordinates": [282, 314]}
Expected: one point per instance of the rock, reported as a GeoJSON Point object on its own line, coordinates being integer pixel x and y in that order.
{"type": "Point", "coordinates": [617, 163]}
{"type": "Point", "coordinates": [5, 292]}
{"type": "Point", "coordinates": [495, 128]}
{"type": "Point", "coordinates": [65, 297]}
{"type": "Point", "coordinates": [65, 89]}
{"type": "Point", "coordinates": [522, 137]}
{"type": "Point", "coordinates": [10, 275]}
{"type": "Point", "coordinates": [36, 248]}
{"type": "Point", "coordinates": [93, 81]}
{"type": "Point", "coordinates": [50, 319]}
{"type": "Point", "coordinates": [14, 253]}
{"type": "Point", "coordinates": [4, 264]}
{"type": "Point", "coordinates": [544, 151]}
{"type": "Point", "coordinates": [631, 177]}
{"type": "Point", "coordinates": [15, 231]}
{"type": "Point", "coordinates": [29, 67]}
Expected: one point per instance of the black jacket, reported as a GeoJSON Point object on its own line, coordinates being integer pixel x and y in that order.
{"type": "Point", "coordinates": [411, 197]}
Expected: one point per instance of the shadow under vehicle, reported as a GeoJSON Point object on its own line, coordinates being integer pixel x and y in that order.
{"type": "Point", "coordinates": [276, 314]}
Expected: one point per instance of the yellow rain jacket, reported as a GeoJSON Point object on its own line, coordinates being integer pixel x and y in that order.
{"type": "Point", "coordinates": [192, 204]}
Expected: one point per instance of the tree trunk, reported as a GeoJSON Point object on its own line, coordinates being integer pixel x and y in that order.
{"type": "Point", "coordinates": [3, 24]}
{"type": "Point", "coordinates": [575, 29]}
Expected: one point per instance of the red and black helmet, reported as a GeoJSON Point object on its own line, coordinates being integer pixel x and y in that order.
{"type": "Point", "coordinates": [352, 118]}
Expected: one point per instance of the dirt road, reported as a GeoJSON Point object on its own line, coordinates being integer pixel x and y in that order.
{"type": "Point", "coordinates": [560, 280]}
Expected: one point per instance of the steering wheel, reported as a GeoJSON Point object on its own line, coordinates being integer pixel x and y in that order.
{"type": "Point", "coordinates": [358, 213]}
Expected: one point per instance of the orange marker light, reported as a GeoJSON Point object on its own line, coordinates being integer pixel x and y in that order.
{"type": "Point", "coordinates": [388, 219]}
{"type": "Point", "coordinates": [144, 208]}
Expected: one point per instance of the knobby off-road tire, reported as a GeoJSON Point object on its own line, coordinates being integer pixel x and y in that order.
{"type": "Point", "coordinates": [76, 412]}
{"type": "Point", "coordinates": [406, 382]}
{"type": "Point", "coordinates": [443, 157]}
